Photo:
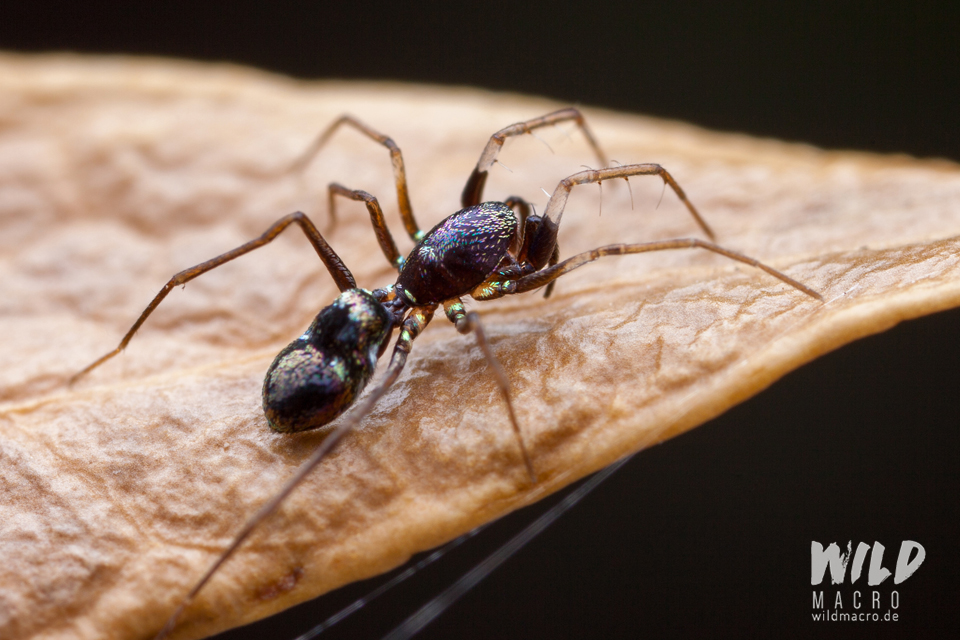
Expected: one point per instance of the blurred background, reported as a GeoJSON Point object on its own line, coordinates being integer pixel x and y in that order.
{"type": "Point", "coordinates": [708, 534]}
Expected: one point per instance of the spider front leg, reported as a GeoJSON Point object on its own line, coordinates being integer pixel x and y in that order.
{"type": "Point", "coordinates": [548, 275]}
{"type": "Point", "coordinates": [333, 263]}
{"type": "Point", "coordinates": [551, 220]}
{"type": "Point", "coordinates": [557, 201]}
{"type": "Point", "coordinates": [540, 232]}
{"type": "Point", "coordinates": [467, 322]}
{"type": "Point", "coordinates": [473, 190]}
{"type": "Point", "coordinates": [396, 158]}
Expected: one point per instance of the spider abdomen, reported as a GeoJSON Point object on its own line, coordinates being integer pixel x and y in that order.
{"type": "Point", "coordinates": [458, 254]}
{"type": "Point", "coordinates": [319, 375]}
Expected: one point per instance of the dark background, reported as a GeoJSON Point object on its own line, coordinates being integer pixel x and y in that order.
{"type": "Point", "coordinates": [708, 534]}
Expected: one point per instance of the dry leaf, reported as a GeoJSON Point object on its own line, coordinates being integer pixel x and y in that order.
{"type": "Point", "coordinates": [115, 174]}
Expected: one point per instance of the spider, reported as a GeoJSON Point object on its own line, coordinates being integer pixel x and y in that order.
{"type": "Point", "coordinates": [485, 250]}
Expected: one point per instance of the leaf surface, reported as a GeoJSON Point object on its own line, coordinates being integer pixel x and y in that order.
{"type": "Point", "coordinates": [115, 174]}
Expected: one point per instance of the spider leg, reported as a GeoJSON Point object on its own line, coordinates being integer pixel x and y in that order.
{"type": "Point", "coordinates": [544, 238]}
{"type": "Point", "coordinates": [473, 190]}
{"type": "Point", "coordinates": [467, 322]}
{"type": "Point", "coordinates": [558, 200]}
{"type": "Point", "coordinates": [384, 237]}
{"type": "Point", "coordinates": [331, 261]}
{"type": "Point", "coordinates": [554, 259]}
{"type": "Point", "coordinates": [412, 327]}
{"type": "Point", "coordinates": [549, 274]}
{"type": "Point", "coordinates": [396, 158]}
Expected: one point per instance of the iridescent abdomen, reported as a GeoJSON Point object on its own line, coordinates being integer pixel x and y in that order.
{"type": "Point", "coordinates": [320, 374]}
{"type": "Point", "coordinates": [458, 254]}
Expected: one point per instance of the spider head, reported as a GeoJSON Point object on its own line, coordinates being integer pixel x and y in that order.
{"type": "Point", "coordinates": [319, 375]}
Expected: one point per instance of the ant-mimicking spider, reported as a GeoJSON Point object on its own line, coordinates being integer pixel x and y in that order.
{"type": "Point", "coordinates": [486, 250]}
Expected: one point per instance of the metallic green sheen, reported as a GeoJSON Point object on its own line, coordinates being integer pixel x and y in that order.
{"type": "Point", "coordinates": [320, 374]}
{"type": "Point", "coordinates": [459, 253]}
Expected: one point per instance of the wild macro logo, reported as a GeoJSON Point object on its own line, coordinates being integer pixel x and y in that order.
{"type": "Point", "coordinates": [860, 603]}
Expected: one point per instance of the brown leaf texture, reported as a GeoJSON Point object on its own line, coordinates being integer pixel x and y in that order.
{"type": "Point", "coordinates": [115, 174]}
